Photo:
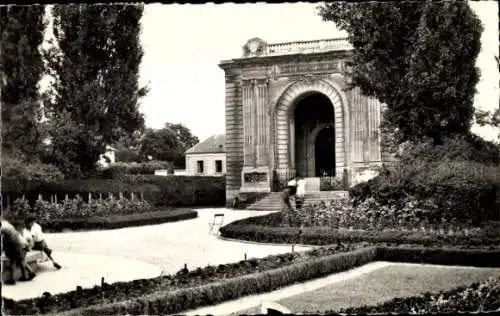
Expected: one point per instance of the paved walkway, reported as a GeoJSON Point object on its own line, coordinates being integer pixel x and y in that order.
{"type": "Point", "coordinates": [83, 270]}
{"type": "Point", "coordinates": [116, 254]}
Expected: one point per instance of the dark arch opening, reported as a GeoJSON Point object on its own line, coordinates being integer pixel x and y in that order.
{"type": "Point", "coordinates": [311, 110]}
{"type": "Point", "coordinates": [324, 150]}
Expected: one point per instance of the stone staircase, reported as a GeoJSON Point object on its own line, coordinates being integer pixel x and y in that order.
{"type": "Point", "coordinates": [272, 201]}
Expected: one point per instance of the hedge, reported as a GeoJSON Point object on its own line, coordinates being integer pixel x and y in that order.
{"type": "Point", "coordinates": [160, 190]}
{"type": "Point", "coordinates": [245, 230]}
{"type": "Point", "coordinates": [185, 190]}
{"type": "Point", "coordinates": [462, 190]}
{"type": "Point", "coordinates": [114, 222]}
{"type": "Point", "coordinates": [174, 294]}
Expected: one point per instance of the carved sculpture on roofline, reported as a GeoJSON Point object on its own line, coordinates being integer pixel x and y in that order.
{"type": "Point", "coordinates": [254, 47]}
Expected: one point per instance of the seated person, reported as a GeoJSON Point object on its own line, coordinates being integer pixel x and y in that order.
{"type": "Point", "coordinates": [39, 242]}
{"type": "Point", "coordinates": [15, 248]}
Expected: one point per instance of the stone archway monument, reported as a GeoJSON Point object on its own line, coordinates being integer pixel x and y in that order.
{"type": "Point", "coordinates": [286, 104]}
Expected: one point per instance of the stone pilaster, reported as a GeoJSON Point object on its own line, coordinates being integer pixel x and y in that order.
{"type": "Point", "coordinates": [248, 123]}
{"type": "Point", "coordinates": [263, 120]}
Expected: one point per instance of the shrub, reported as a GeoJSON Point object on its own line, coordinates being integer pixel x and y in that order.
{"type": "Point", "coordinates": [462, 190]}
{"type": "Point", "coordinates": [185, 190]}
{"type": "Point", "coordinates": [119, 169]}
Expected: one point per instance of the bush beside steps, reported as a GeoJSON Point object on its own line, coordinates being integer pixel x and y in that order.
{"type": "Point", "coordinates": [175, 299]}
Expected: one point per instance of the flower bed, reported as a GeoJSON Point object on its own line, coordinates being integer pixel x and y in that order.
{"type": "Point", "coordinates": [122, 291]}
{"type": "Point", "coordinates": [368, 215]}
{"type": "Point", "coordinates": [77, 208]}
{"type": "Point", "coordinates": [483, 296]}
{"type": "Point", "coordinates": [158, 216]}
{"type": "Point", "coordinates": [108, 213]}
{"type": "Point", "coordinates": [325, 223]}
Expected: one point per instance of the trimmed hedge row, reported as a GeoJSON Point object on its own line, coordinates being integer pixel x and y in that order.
{"type": "Point", "coordinates": [244, 230]}
{"type": "Point", "coordinates": [185, 190]}
{"type": "Point", "coordinates": [195, 291]}
{"type": "Point", "coordinates": [159, 190]}
{"type": "Point", "coordinates": [115, 222]}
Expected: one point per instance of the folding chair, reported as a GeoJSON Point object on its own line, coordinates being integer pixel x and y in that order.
{"type": "Point", "coordinates": [217, 222]}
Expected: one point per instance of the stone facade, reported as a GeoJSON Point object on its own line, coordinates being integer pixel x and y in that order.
{"type": "Point", "coordinates": [287, 111]}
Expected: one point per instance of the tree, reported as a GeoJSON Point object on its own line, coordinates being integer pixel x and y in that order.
{"type": "Point", "coordinates": [168, 144]}
{"type": "Point", "coordinates": [416, 57]}
{"type": "Point", "coordinates": [161, 145]}
{"type": "Point", "coordinates": [96, 67]}
{"type": "Point", "coordinates": [128, 146]}
{"type": "Point", "coordinates": [21, 68]}
{"type": "Point", "coordinates": [184, 135]}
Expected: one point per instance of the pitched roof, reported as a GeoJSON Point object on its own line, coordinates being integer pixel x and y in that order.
{"type": "Point", "coordinates": [213, 144]}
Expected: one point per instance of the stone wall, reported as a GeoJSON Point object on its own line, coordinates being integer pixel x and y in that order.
{"type": "Point", "coordinates": [234, 136]}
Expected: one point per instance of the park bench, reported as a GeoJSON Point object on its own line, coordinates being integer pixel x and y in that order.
{"type": "Point", "coordinates": [32, 259]}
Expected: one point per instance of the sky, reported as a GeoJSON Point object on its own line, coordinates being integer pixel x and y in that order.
{"type": "Point", "coordinates": [183, 45]}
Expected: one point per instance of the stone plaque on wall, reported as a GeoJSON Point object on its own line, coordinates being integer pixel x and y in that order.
{"type": "Point", "coordinates": [310, 67]}
{"type": "Point", "coordinates": [255, 177]}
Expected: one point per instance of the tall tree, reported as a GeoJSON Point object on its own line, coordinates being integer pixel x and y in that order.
{"type": "Point", "coordinates": [418, 58]}
{"type": "Point", "coordinates": [96, 69]}
{"type": "Point", "coordinates": [184, 135]}
{"type": "Point", "coordinates": [160, 144]}
{"type": "Point", "coordinates": [168, 144]}
{"type": "Point", "coordinates": [21, 68]}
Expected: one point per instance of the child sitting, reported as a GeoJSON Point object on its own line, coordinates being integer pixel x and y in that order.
{"type": "Point", "coordinates": [39, 242]}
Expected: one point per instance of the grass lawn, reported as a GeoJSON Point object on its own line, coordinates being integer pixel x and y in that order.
{"type": "Point", "coordinates": [400, 280]}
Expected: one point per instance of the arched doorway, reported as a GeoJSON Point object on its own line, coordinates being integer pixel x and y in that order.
{"type": "Point", "coordinates": [324, 152]}
{"type": "Point", "coordinates": [312, 111]}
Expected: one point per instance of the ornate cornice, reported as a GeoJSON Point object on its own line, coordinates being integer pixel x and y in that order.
{"type": "Point", "coordinates": [268, 61]}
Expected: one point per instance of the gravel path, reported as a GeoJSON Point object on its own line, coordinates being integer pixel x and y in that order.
{"type": "Point", "coordinates": [170, 245]}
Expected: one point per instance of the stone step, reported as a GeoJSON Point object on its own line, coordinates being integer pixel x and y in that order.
{"type": "Point", "coordinates": [272, 201]}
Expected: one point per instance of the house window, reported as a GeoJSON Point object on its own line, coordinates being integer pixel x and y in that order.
{"type": "Point", "coordinates": [199, 165]}
{"type": "Point", "coordinates": [218, 166]}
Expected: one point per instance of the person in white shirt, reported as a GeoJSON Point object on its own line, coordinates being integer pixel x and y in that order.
{"type": "Point", "coordinates": [301, 192]}
{"type": "Point", "coordinates": [39, 242]}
